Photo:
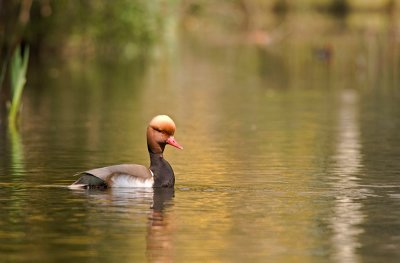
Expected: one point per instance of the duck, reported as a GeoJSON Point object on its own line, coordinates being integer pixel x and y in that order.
{"type": "Point", "coordinates": [160, 132]}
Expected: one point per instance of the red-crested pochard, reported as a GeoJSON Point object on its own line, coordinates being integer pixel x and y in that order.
{"type": "Point", "coordinates": [160, 132]}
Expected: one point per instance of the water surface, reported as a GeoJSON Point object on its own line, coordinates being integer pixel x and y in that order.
{"type": "Point", "coordinates": [289, 156]}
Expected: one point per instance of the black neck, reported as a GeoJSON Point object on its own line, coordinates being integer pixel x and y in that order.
{"type": "Point", "coordinates": [162, 170]}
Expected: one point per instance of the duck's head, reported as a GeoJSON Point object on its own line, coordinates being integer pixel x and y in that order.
{"type": "Point", "coordinates": [160, 132]}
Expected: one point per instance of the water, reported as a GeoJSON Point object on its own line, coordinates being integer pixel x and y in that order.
{"type": "Point", "coordinates": [289, 157]}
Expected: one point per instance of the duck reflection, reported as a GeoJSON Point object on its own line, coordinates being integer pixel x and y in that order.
{"type": "Point", "coordinates": [160, 227]}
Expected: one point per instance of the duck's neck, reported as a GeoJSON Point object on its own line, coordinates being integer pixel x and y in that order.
{"type": "Point", "coordinates": [162, 170]}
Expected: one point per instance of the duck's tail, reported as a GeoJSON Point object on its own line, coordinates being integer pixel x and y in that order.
{"type": "Point", "coordinates": [88, 180]}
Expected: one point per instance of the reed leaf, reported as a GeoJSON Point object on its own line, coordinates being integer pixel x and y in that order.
{"type": "Point", "coordinates": [18, 69]}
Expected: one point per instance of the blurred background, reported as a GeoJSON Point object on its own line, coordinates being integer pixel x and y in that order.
{"type": "Point", "coordinates": [288, 112]}
{"type": "Point", "coordinates": [339, 41]}
{"type": "Point", "coordinates": [291, 32]}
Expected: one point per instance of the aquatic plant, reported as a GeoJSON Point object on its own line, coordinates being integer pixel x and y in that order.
{"type": "Point", "coordinates": [18, 69]}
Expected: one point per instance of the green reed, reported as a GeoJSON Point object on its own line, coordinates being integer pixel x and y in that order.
{"type": "Point", "coordinates": [18, 69]}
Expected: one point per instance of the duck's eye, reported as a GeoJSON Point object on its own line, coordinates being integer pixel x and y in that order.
{"type": "Point", "coordinates": [161, 131]}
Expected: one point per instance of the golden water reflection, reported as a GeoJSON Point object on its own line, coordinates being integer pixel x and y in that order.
{"type": "Point", "coordinates": [348, 215]}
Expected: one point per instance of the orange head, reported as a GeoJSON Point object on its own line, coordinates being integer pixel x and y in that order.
{"type": "Point", "coordinates": [160, 132]}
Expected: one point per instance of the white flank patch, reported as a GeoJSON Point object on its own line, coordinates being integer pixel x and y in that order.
{"type": "Point", "coordinates": [130, 181]}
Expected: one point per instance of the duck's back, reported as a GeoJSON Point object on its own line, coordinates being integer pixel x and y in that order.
{"type": "Point", "coordinates": [122, 175]}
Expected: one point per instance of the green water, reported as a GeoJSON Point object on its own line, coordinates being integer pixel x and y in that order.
{"type": "Point", "coordinates": [288, 156]}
